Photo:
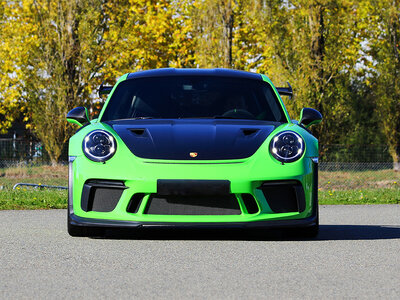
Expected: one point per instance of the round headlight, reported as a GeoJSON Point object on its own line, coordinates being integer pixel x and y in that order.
{"type": "Point", "coordinates": [99, 145]}
{"type": "Point", "coordinates": [287, 146]}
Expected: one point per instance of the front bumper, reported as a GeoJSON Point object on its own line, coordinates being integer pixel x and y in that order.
{"type": "Point", "coordinates": [245, 178]}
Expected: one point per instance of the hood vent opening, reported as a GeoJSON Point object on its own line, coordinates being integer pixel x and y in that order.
{"type": "Point", "coordinates": [249, 131]}
{"type": "Point", "coordinates": [138, 131]}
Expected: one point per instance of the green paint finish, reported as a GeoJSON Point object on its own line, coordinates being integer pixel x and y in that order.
{"type": "Point", "coordinates": [72, 121]}
{"type": "Point", "coordinates": [141, 175]}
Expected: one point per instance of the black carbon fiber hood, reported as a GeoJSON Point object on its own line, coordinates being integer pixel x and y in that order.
{"type": "Point", "coordinates": [206, 139]}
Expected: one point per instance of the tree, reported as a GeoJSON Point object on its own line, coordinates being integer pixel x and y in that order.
{"type": "Point", "coordinates": [213, 26]}
{"type": "Point", "coordinates": [157, 34]}
{"type": "Point", "coordinates": [10, 74]}
{"type": "Point", "coordinates": [315, 46]}
{"type": "Point", "coordinates": [384, 48]}
{"type": "Point", "coordinates": [56, 53]}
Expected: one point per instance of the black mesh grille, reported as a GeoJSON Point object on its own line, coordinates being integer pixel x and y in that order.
{"type": "Point", "coordinates": [104, 199]}
{"type": "Point", "coordinates": [101, 195]}
{"type": "Point", "coordinates": [193, 205]}
{"type": "Point", "coordinates": [284, 196]}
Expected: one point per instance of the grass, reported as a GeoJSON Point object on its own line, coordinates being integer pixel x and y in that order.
{"type": "Point", "coordinates": [359, 187]}
{"type": "Point", "coordinates": [366, 187]}
{"type": "Point", "coordinates": [364, 196]}
{"type": "Point", "coordinates": [30, 198]}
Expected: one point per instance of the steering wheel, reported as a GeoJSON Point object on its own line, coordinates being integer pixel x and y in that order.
{"type": "Point", "coordinates": [238, 114]}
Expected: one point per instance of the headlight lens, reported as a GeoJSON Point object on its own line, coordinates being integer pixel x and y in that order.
{"type": "Point", "coordinates": [287, 146]}
{"type": "Point", "coordinates": [99, 145]}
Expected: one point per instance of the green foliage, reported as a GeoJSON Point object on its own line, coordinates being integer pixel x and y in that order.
{"type": "Point", "coordinates": [33, 199]}
{"type": "Point", "coordinates": [384, 47]}
{"type": "Point", "coordinates": [359, 197]}
{"type": "Point", "coordinates": [341, 57]}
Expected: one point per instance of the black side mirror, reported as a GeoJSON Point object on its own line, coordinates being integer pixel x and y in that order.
{"type": "Point", "coordinates": [78, 115]}
{"type": "Point", "coordinates": [309, 116]}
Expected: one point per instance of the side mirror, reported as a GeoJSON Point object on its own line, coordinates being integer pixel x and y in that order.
{"type": "Point", "coordinates": [309, 116]}
{"type": "Point", "coordinates": [78, 115]}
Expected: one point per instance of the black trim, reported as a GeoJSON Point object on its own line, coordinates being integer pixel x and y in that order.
{"type": "Point", "coordinates": [294, 223]}
{"type": "Point", "coordinates": [134, 204]}
{"type": "Point", "coordinates": [90, 187]}
{"type": "Point", "coordinates": [193, 187]}
{"type": "Point", "coordinates": [192, 205]}
{"type": "Point", "coordinates": [315, 188]}
{"type": "Point", "coordinates": [79, 114]}
{"type": "Point", "coordinates": [250, 203]}
{"type": "Point", "coordinates": [105, 90]}
{"type": "Point", "coordinates": [194, 72]}
{"type": "Point", "coordinates": [285, 91]}
{"type": "Point", "coordinates": [309, 115]}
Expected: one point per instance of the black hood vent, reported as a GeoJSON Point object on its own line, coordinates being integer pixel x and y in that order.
{"type": "Point", "coordinates": [193, 139]}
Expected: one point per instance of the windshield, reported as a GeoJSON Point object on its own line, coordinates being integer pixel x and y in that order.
{"type": "Point", "coordinates": [194, 97]}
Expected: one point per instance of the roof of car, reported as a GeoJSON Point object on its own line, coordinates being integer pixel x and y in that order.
{"type": "Point", "coordinates": [195, 72]}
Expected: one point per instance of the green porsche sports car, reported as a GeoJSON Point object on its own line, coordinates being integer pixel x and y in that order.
{"type": "Point", "coordinates": [193, 148]}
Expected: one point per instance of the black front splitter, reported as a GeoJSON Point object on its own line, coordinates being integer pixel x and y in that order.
{"type": "Point", "coordinates": [113, 224]}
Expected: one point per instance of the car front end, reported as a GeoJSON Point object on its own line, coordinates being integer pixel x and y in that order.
{"type": "Point", "coordinates": [192, 172]}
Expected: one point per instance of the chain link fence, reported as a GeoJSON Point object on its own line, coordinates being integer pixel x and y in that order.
{"type": "Point", "coordinates": [358, 168]}
{"type": "Point", "coordinates": [24, 152]}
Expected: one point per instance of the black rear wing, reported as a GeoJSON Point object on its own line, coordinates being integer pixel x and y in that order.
{"type": "Point", "coordinates": [285, 91]}
{"type": "Point", "coordinates": [105, 89]}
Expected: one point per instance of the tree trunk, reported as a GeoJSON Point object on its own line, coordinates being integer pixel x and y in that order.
{"type": "Point", "coordinates": [228, 21]}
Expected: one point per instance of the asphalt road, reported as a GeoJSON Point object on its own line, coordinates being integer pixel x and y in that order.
{"type": "Point", "coordinates": [357, 255]}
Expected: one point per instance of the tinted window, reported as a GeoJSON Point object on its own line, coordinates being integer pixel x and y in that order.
{"type": "Point", "coordinates": [194, 97]}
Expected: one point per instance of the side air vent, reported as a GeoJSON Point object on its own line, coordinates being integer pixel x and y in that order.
{"type": "Point", "coordinates": [250, 203]}
{"type": "Point", "coordinates": [134, 204]}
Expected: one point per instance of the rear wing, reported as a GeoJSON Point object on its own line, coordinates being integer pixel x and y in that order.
{"type": "Point", "coordinates": [105, 89]}
{"type": "Point", "coordinates": [285, 91]}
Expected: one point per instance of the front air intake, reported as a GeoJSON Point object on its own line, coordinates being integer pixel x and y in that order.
{"type": "Point", "coordinates": [101, 195]}
{"type": "Point", "coordinates": [192, 205]}
{"type": "Point", "coordinates": [284, 196]}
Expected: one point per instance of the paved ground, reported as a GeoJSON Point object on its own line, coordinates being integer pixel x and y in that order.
{"type": "Point", "coordinates": [357, 255]}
